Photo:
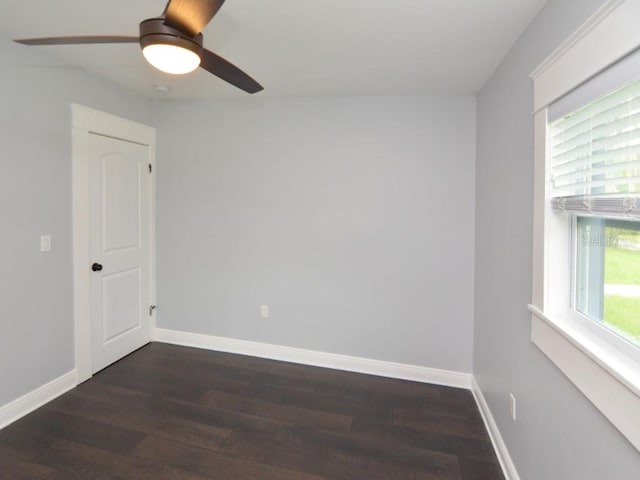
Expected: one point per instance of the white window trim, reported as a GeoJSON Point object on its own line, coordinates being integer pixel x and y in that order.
{"type": "Point", "coordinates": [608, 377]}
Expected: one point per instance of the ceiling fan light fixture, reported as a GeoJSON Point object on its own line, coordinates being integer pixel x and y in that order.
{"type": "Point", "coordinates": [171, 59]}
{"type": "Point", "coordinates": [168, 49]}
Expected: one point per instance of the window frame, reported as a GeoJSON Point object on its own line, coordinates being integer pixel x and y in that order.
{"type": "Point", "coordinates": [598, 328]}
{"type": "Point", "coordinates": [605, 373]}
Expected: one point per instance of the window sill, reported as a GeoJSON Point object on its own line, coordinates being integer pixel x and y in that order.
{"type": "Point", "coordinates": [607, 377]}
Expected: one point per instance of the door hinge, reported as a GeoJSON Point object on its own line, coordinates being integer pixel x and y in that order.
{"type": "Point", "coordinates": [151, 309]}
{"type": "Point", "coordinates": [150, 168]}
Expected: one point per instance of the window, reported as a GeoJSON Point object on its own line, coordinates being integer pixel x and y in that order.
{"type": "Point", "coordinates": [594, 183]}
{"type": "Point", "coordinates": [607, 275]}
{"type": "Point", "coordinates": [587, 212]}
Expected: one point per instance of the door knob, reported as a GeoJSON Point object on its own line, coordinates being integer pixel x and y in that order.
{"type": "Point", "coordinates": [96, 267]}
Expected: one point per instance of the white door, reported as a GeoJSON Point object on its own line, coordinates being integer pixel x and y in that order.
{"type": "Point", "coordinates": [120, 248]}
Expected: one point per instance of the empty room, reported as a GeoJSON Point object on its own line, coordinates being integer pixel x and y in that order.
{"type": "Point", "coordinates": [330, 240]}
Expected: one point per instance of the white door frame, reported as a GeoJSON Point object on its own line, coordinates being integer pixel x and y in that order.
{"type": "Point", "coordinates": [84, 122]}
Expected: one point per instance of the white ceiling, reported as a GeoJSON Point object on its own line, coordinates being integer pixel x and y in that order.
{"type": "Point", "coordinates": [297, 47]}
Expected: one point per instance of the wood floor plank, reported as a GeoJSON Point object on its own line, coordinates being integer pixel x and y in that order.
{"type": "Point", "coordinates": [286, 413]}
{"type": "Point", "coordinates": [351, 406]}
{"type": "Point", "coordinates": [143, 420]}
{"type": "Point", "coordinates": [177, 355]}
{"type": "Point", "coordinates": [217, 417]}
{"type": "Point", "coordinates": [12, 468]}
{"type": "Point", "coordinates": [286, 450]}
{"type": "Point", "coordinates": [89, 462]}
{"type": "Point", "coordinates": [379, 450]}
{"type": "Point", "coordinates": [480, 469]}
{"type": "Point", "coordinates": [154, 382]}
{"type": "Point", "coordinates": [332, 381]}
{"type": "Point", "coordinates": [115, 394]}
{"type": "Point", "coordinates": [439, 423]}
{"type": "Point", "coordinates": [205, 462]}
{"type": "Point", "coordinates": [239, 369]}
{"type": "Point", "coordinates": [418, 437]}
{"type": "Point", "coordinates": [23, 442]}
{"type": "Point", "coordinates": [184, 369]}
{"type": "Point", "coordinates": [89, 432]}
{"type": "Point", "coordinates": [167, 412]}
{"type": "Point", "coordinates": [66, 475]}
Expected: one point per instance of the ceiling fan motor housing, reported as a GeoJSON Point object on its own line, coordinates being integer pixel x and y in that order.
{"type": "Point", "coordinates": [154, 31]}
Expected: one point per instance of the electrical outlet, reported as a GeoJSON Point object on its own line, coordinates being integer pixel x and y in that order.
{"type": "Point", "coordinates": [45, 243]}
{"type": "Point", "coordinates": [264, 311]}
{"type": "Point", "coordinates": [512, 406]}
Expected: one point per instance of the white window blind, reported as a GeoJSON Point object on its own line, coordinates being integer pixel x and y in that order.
{"type": "Point", "coordinates": [595, 156]}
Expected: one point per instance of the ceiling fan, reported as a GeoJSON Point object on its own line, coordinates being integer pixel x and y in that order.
{"type": "Point", "coordinates": [172, 42]}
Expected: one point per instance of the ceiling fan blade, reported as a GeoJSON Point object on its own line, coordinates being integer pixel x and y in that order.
{"type": "Point", "coordinates": [164, 12]}
{"type": "Point", "coordinates": [78, 40]}
{"type": "Point", "coordinates": [191, 16]}
{"type": "Point", "coordinates": [228, 72]}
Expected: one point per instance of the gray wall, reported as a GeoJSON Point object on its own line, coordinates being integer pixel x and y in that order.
{"type": "Point", "coordinates": [36, 321]}
{"type": "Point", "coordinates": [352, 218]}
{"type": "Point", "coordinates": [558, 434]}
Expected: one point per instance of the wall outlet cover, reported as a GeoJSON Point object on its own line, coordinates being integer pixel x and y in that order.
{"type": "Point", "coordinates": [45, 243]}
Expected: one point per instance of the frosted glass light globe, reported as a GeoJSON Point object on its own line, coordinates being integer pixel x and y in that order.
{"type": "Point", "coordinates": [171, 58]}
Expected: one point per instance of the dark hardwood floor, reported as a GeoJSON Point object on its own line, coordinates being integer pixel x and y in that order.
{"type": "Point", "coordinates": [168, 412]}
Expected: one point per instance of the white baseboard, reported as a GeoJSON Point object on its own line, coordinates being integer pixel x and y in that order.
{"type": "Point", "coordinates": [26, 404]}
{"type": "Point", "coordinates": [508, 467]}
{"type": "Point", "coordinates": [316, 359]}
